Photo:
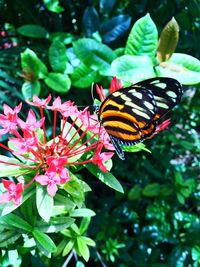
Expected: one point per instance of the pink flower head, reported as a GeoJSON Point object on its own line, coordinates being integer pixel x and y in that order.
{"type": "Point", "coordinates": [31, 124]}
{"type": "Point", "coordinates": [14, 192]}
{"type": "Point", "coordinates": [37, 102]}
{"type": "Point", "coordinates": [9, 121]}
{"type": "Point", "coordinates": [52, 178]}
{"type": "Point", "coordinates": [99, 158]}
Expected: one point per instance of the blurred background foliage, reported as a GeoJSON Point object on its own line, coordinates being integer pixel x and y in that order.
{"type": "Point", "coordinates": [156, 222]}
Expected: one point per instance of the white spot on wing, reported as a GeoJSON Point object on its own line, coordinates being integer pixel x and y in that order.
{"type": "Point", "coordinates": [162, 105]}
{"type": "Point", "coordinates": [171, 94]}
{"type": "Point", "coordinates": [161, 85]}
{"type": "Point", "coordinates": [142, 114]}
{"type": "Point", "coordinates": [136, 94]}
{"type": "Point", "coordinates": [126, 98]}
{"type": "Point", "coordinates": [148, 105]}
{"type": "Point", "coordinates": [116, 93]}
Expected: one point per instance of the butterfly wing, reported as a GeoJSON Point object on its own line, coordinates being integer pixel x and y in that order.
{"type": "Point", "coordinates": [130, 115]}
{"type": "Point", "coordinates": [167, 93]}
{"type": "Point", "coordinates": [125, 113]}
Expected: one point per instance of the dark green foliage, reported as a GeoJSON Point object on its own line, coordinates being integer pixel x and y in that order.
{"type": "Point", "coordinates": [65, 46]}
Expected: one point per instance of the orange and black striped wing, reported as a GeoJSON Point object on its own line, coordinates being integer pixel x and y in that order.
{"type": "Point", "coordinates": [130, 115]}
{"type": "Point", "coordinates": [125, 113]}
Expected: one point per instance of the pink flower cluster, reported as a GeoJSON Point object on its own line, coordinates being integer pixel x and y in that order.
{"type": "Point", "coordinates": [74, 134]}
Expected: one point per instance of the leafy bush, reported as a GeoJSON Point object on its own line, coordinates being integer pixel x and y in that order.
{"type": "Point", "coordinates": [62, 48]}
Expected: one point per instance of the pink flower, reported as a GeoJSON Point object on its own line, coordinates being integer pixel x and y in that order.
{"type": "Point", "coordinates": [31, 124]}
{"type": "Point", "coordinates": [52, 178]}
{"type": "Point", "coordinates": [9, 121]}
{"type": "Point", "coordinates": [78, 140]}
{"type": "Point", "coordinates": [115, 85]}
{"type": "Point", "coordinates": [39, 102]}
{"type": "Point", "coordinates": [14, 192]}
{"type": "Point", "coordinates": [99, 158]}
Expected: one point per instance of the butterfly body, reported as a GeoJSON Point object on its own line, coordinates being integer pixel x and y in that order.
{"type": "Point", "coordinates": [130, 115]}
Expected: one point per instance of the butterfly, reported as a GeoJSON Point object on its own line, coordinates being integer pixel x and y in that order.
{"type": "Point", "coordinates": [130, 115]}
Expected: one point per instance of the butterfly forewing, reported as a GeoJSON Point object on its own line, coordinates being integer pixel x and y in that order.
{"type": "Point", "coordinates": [167, 93]}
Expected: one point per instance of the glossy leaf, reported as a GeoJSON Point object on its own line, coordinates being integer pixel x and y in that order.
{"type": "Point", "coordinates": [94, 54]}
{"type": "Point", "coordinates": [115, 28]}
{"type": "Point", "coordinates": [44, 241]}
{"type": "Point", "coordinates": [58, 82]}
{"type": "Point", "coordinates": [168, 40]}
{"type": "Point", "coordinates": [83, 76]}
{"type": "Point", "coordinates": [10, 169]}
{"type": "Point", "coordinates": [34, 31]}
{"type": "Point", "coordinates": [82, 213]}
{"type": "Point", "coordinates": [132, 68]}
{"type": "Point", "coordinates": [143, 38]}
{"type": "Point", "coordinates": [16, 222]}
{"type": "Point", "coordinates": [44, 203]}
{"type": "Point", "coordinates": [105, 177]}
{"type": "Point", "coordinates": [53, 6]}
{"type": "Point", "coordinates": [83, 248]}
{"type": "Point", "coordinates": [29, 89]}
{"type": "Point", "coordinates": [58, 56]}
{"type": "Point", "coordinates": [32, 65]}
{"type": "Point", "coordinates": [55, 224]}
{"type": "Point", "coordinates": [90, 21]}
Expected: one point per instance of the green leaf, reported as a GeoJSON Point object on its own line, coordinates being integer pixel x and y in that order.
{"type": "Point", "coordinates": [9, 169]}
{"type": "Point", "coordinates": [135, 192]}
{"type": "Point", "coordinates": [53, 6]}
{"type": "Point", "coordinates": [183, 67]}
{"type": "Point", "coordinates": [151, 190]}
{"type": "Point", "coordinates": [84, 224]}
{"type": "Point", "coordinates": [30, 88]}
{"type": "Point", "coordinates": [105, 177]}
{"type": "Point", "coordinates": [55, 225]}
{"type": "Point", "coordinates": [68, 247]}
{"type": "Point", "coordinates": [143, 38]}
{"type": "Point", "coordinates": [83, 76]}
{"type": "Point", "coordinates": [89, 241]}
{"type": "Point", "coordinates": [44, 202]}
{"type": "Point", "coordinates": [15, 221]}
{"type": "Point", "coordinates": [34, 31]}
{"type": "Point", "coordinates": [58, 82]}
{"type": "Point", "coordinates": [58, 56]}
{"type": "Point", "coordinates": [187, 61]}
{"type": "Point", "coordinates": [168, 40]}
{"type": "Point", "coordinates": [132, 68]}
{"type": "Point", "coordinates": [82, 213]}
{"type": "Point", "coordinates": [83, 248]}
{"type": "Point", "coordinates": [32, 65]}
{"type": "Point", "coordinates": [93, 54]}
{"type": "Point", "coordinates": [62, 205]}
{"type": "Point", "coordinates": [44, 241]}
{"type": "Point", "coordinates": [8, 238]}
{"type": "Point", "coordinates": [136, 148]}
